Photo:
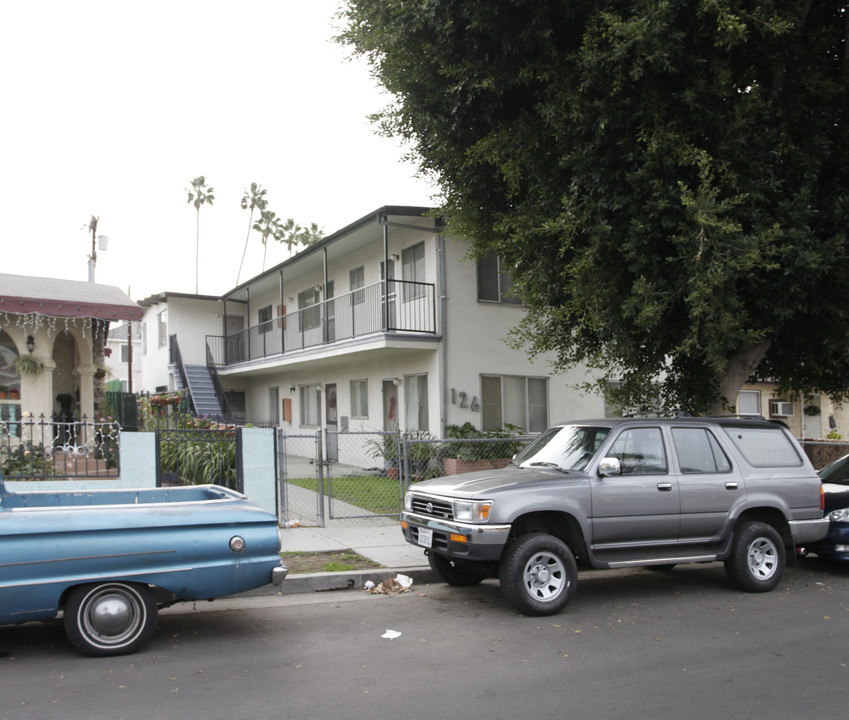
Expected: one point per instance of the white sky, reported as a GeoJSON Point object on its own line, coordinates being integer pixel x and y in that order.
{"type": "Point", "coordinates": [111, 108]}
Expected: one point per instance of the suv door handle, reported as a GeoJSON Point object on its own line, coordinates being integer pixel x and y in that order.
{"type": "Point", "coordinates": [664, 487]}
{"type": "Point", "coordinates": [731, 486]}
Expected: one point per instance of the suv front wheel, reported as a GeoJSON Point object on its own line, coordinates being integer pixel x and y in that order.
{"type": "Point", "coordinates": [538, 574]}
{"type": "Point", "coordinates": [756, 562]}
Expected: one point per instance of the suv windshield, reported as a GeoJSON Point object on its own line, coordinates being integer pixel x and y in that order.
{"type": "Point", "coordinates": [570, 447]}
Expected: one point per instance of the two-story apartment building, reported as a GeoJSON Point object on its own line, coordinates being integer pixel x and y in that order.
{"type": "Point", "coordinates": [384, 324]}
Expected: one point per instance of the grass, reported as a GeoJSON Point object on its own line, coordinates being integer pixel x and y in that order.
{"type": "Point", "coordinates": [331, 561]}
{"type": "Point", "coordinates": [376, 493]}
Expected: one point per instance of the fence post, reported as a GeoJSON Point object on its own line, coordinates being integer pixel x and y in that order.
{"type": "Point", "coordinates": [319, 461]}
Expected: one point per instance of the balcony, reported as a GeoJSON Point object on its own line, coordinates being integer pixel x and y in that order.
{"type": "Point", "coordinates": [408, 307]}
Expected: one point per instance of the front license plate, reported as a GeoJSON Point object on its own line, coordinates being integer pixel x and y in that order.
{"type": "Point", "coordinates": [426, 537]}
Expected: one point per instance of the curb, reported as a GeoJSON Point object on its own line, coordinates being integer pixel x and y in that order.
{"type": "Point", "coordinates": [354, 580]}
{"type": "Point", "coordinates": [326, 582]}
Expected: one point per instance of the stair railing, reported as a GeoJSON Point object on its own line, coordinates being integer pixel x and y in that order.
{"type": "Point", "coordinates": [177, 360]}
{"type": "Point", "coordinates": [216, 383]}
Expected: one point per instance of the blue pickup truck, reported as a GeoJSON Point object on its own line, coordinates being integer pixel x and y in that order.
{"type": "Point", "coordinates": [109, 559]}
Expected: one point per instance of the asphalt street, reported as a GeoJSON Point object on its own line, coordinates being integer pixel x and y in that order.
{"type": "Point", "coordinates": [633, 644]}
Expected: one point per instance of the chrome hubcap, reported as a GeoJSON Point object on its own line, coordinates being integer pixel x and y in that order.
{"type": "Point", "coordinates": [763, 558]}
{"type": "Point", "coordinates": [544, 576]}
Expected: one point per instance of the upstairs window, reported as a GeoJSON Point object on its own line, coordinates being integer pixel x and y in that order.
{"type": "Point", "coordinates": [494, 282]}
{"type": "Point", "coordinates": [356, 280]}
{"type": "Point", "coordinates": [264, 317]}
{"type": "Point", "coordinates": [310, 310]}
{"type": "Point", "coordinates": [413, 271]}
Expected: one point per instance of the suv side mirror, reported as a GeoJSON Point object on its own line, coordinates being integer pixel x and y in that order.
{"type": "Point", "coordinates": [609, 466]}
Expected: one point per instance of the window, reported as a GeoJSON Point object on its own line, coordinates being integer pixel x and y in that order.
{"type": "Point", "coordinates": [264, 318]}
{"type": "Point", "coordinates": [356, 280]}
{"type": "Point", "coordinates": [310, 310]}
{"type": "Point", "coordinates": [309, 405]}
{"type": "Point", "coordinates": [698, 451]}
{"type": "Point", "coordinates": [749, 402]}
{"type": "Point", "coordinates": [144, 338]}
{"type": "Point", "coordinates": [125, 353]}
{"type": "Point", "coordinates": [519, 401]}
{"type": "Point", "coordinates": [162, 326]}
{"type": "Point", "coordinates": [640, 452]}
{"type": "Point", "coordinates": [413, 271]}
{"type": "Point", "coordinates": [764, 447]}
{"type": "Point", "coordinates": [359, 398]}
{"type": "Point", "coordinates": [415, 401]}
{"type": "Point", "coordinates": [494, 282]}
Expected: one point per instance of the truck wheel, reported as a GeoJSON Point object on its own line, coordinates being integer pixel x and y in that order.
{"type": "Point", "coordinates": [112, 618]}
{"type": "Point", "coordinates": [454, 573]}
{"type": "Point", "coordinates": [756, 562]}
{"type": "Point", "coordinates": [538, 574]}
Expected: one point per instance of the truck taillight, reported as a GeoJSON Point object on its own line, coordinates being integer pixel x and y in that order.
{"type": "Point", "coordinates": [822, 499]}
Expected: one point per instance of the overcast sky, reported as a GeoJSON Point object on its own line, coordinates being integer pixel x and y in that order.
{"type": "Point", "coordinates": [111, 108]}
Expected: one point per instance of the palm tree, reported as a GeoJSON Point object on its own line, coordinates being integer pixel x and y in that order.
{"type": "Point", "coordinates": [253, 199]}
{"type": "Point", "coordinates": [293, 235]}
{"type": "Point", "coordinates": [200, 194]}
{"type": "Point", "coordinates": [267, 226]}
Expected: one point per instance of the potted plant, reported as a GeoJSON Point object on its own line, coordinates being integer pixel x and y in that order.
{"type": "Point", "coordinates": [420, 449]}
{"type": "Point", "coordinates": [28, 365]}
{"type": "Point", "coordinates": [14, 393]}
{"type": "Point", "coordinates": [388, 447]}
{"type": "Point", "coordinates": [4, 392]}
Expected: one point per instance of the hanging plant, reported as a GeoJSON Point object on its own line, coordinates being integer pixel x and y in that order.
{"type": "Point", "coordinates": [28, 365]}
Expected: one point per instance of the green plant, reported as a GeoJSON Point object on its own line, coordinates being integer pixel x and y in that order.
{"type": "Point", "coordinates": [492, 444]}
{"type": "Point", "coordinates": [25, 460]}
{"type": "Point", "coordinates": [28, 365]}
{"type": "Point", "coordinates": [387, 447]}
{"type": "Point", "coordinates": [834, 435]}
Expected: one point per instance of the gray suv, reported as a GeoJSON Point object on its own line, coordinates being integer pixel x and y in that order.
{"type": "Point", "coordinates": [622, 492]}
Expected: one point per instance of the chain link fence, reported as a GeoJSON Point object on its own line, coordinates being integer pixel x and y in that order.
{"type": "Point", "coordinates": [370, 471]}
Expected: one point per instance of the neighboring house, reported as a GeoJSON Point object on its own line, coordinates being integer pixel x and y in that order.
{"type": "Point", "coordinates": [122, 355]}
{"type": "Point", "coordinates": [63, 324]}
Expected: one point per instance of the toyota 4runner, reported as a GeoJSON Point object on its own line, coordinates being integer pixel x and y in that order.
{"type": "Point", "coordinates": [618, 493]}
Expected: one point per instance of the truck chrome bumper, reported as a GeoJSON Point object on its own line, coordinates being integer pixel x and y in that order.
{"type": "Point", "coordinates": [809, 531]}
{"type": "Point", "coordinates": [278, 575]}
{"type": "Point", "coordinates": [456, 539]}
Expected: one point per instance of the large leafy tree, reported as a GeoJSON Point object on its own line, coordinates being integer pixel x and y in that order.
{"type": "Point", "coordinates": [199, 194]}
{"type": "Point", "coordinates": [667, 181]}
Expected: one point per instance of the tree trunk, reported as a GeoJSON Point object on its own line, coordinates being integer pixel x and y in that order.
{"type": "Point", "coordinates": [741, 364]}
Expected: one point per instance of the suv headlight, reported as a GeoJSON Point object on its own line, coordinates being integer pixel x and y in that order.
{"type": "Point", "coordinates": [839, 515]}
{"type": "Point", "coordinates": [408, 501]}
{"type": "Point", "coordinates": [475, 511]}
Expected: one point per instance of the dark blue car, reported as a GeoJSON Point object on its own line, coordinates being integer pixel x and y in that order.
{"type": "Point", "coordinates": [835, 483]}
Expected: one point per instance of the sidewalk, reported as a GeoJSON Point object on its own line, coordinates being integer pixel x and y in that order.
{"type": "Point", "coordinates": [379, 540]}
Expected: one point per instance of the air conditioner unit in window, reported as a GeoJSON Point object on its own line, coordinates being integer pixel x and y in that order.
{"type": "Point", "coordinates": [780, 408]}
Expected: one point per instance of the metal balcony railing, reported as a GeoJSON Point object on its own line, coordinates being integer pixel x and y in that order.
{"type": "Point", "coordinates": [406, 307]}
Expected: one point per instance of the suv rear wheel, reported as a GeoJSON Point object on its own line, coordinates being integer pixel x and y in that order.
{"type": "Point", "coordinates": [756, 562]}
{"type": "Point", "coordinates": [538, 574]}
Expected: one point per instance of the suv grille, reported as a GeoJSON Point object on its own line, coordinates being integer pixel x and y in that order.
{"type": "Point", "coordinates": [433, 508]}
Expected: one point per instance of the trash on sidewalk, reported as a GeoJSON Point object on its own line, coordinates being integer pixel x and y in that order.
{"type": "Point", "coordinates": [391, 586]}
{"type": "Point", "coordinates": [292, 524]}
{"type": "Point", "coordinates": [391, 634]}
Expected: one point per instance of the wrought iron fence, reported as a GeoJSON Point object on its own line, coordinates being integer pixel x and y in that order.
{"type": "Point", "coordinates": [43, 449]}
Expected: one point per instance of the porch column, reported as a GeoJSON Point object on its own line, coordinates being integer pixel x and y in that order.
{"type": "Point", "coordinates": [37, 391]}
{"type": "Point", "coordinates": [85, 372]}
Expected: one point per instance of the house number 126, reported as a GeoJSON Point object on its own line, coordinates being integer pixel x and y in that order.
{"type": "Point", "coordinates": [462, 399]}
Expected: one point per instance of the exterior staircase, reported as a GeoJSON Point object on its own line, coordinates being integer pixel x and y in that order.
{"type": "Point", "coordinates": [202, 391]}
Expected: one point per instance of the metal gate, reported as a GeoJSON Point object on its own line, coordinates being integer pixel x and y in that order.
{"type": "Point", "coordinates": [365, 486]}
{"type": "Point", "coordinates": [199, 456]}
